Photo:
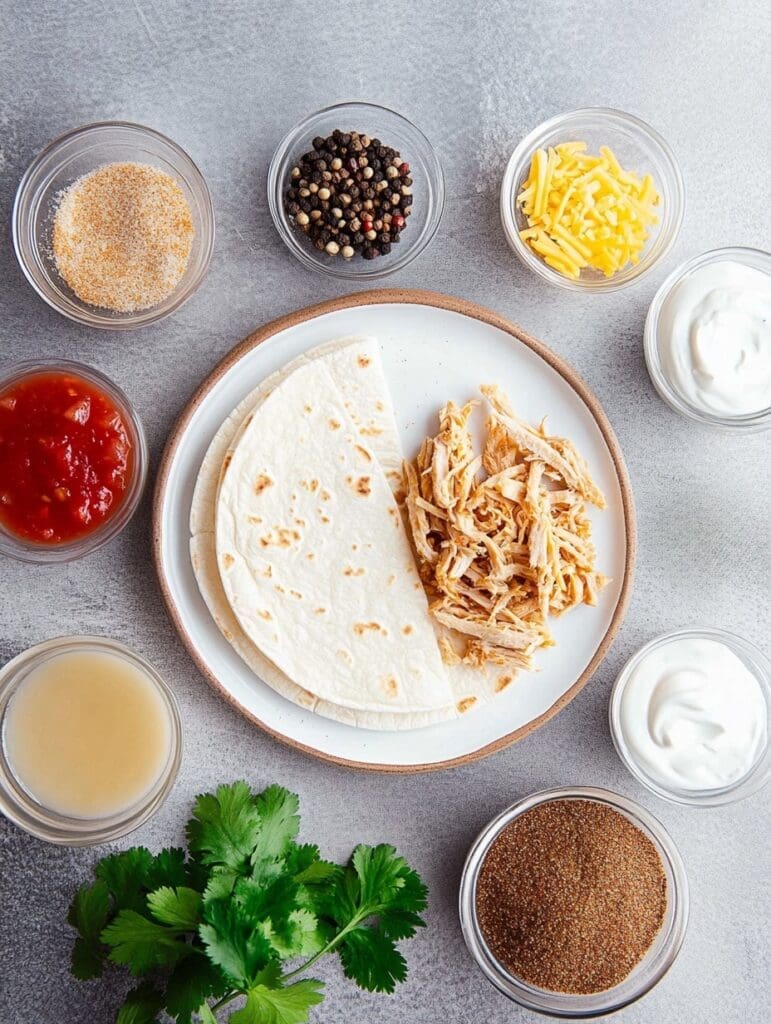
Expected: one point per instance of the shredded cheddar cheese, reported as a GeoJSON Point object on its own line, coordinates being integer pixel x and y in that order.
{"type": "Point", "coordinates": [586, 211]}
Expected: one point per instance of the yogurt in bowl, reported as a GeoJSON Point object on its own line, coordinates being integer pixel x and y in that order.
{"type": "Point", "coordinates": [689, 716]}
{"type": "Point", "coordinates": [708, 339]}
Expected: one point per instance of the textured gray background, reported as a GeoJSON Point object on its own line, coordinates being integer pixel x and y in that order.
{"type": "Point", "coordinates": [227, 81]}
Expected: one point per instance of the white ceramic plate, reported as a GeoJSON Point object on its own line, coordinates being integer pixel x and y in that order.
{"type": "Point", "coordinates": [434, 348]}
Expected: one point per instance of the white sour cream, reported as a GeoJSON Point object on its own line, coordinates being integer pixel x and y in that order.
{"type": "Point", "coordinates": [715, 338]}
{"type": "Point", "coordinates": [693, 716]}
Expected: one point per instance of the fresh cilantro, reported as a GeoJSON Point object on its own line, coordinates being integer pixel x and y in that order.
{"type": "Point", "coordinates": [89, 911]}
{"type": "Point", "coordinates": [243, 915]}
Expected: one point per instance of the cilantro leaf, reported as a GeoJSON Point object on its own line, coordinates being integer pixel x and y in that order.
{"type": "Point", "coordinates": [141, 1006]}
{"type": "Point", "coordinates": [205, 1014]}
{"type": "Point", "coordinates": [180, 907]}
{"type": "Point", "coordinates": [125, 875]}
{"type": "Point", "coordinates": [288, 1005]}
{"type": "Point", "coordinates": [233, 942]}
{"type": "Point", "coordinates": [192, 981]}
{"type": "Point", "coordinates": [168, 868]}
{"type": "Point", "coordinates": [304, 863]}
{"type": "Point", "coordinates": [279, 823]}
{"type": "Point", "coordinates": [372, 960]}
{"type": "Point", "coordinates": [225, 826]}
{"type": "Point", "coordinates": [88, 912]}
{"type": "Point", "coordinates": [380, 871]}
{"type": "Point", "coordinates": [142, 944]}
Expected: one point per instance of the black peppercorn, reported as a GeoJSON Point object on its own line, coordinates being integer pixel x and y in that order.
{"type": "Point", "coordinates": [406, 201]}
{"type": "Point", "coordinates": [384, 237]}
{"type": "Point", "coordinates": [305, 206]}
{"type": "Point", "coordinates": [385, 248]}
{"type": "Point", "coordinates": [318, 142]}
{"type": "Point", "coordinates": [368, 253]}
{"type": "Point", "coordinates": [358, 238]}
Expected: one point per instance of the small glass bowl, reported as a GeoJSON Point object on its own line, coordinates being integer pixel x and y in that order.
{"type": "Point", "coordinates": [758, 775]}
{"type": "Point", "coordinates": [651, 969]}
{"type": "Point", "coordinates": [22, 808]}
{"type": "Point", "coordinates": [639, 148]}
{"type": "Point", "coordinates": [77, 153]}
{"type": "Point", "coordinates": [747, 423]}
{"type": "Point", "coordinates": [393, 130]}
{"type": "Point", "coordinates": [26, 550]}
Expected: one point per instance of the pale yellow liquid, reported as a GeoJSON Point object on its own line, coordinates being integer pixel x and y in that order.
{"type": "Point", "coordinates": [87, 734]}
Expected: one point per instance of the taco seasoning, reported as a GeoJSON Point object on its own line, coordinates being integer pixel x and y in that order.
{"type": "Point", "coordinates": [122, 236]}
{"type": "Point", "coordinates": [570, 896]}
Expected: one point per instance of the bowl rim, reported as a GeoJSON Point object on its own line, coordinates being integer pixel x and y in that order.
{"type": "Point", "coordinates": [748, 784]}
{"type": "Point", "coordinates": [564, 1005]}
{"type": "Point", "coordinates": [24, 550]}
{"type": "Point", "coordinates": [752, 422]}
{"type": "Point", "coordinates": [524, 150]}
{"type": "Point", "coordinates": [340, 269]}
{"type": "Point", "coordinates": [95, 318]}
{"type": "Point", "coordinates": [25, 811]}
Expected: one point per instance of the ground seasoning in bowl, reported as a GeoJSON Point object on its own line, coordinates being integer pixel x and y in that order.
{"type": "Point", "coordinates": [570, 896]}
{"type": "Point", "coordinates": [122, 236]}
{"type": "Point", "coordinates": [574, 902]}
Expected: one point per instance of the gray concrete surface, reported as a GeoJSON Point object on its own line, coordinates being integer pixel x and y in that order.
{"type": "Point", "coordinates": [226, 81]}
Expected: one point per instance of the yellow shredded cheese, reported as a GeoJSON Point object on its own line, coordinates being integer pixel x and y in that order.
{"type": "Point", "coordinates": [586, 211]}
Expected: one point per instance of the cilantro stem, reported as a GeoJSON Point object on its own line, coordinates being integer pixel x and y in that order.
{"type": "Point", "coordinates": [227, 998]}
{"type": "Point", "coordinates": [361, 916]}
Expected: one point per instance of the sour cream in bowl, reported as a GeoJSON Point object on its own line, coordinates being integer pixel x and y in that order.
{"type": "Point", "coordinates": [690, 716]}
{"type": "Point", "coordinates": [708, 339]}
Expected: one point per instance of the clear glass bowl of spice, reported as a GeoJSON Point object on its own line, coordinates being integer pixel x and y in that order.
{"type": "Point", "coordinates": [574, 902]}
{"type": "Point", "coordinates": [356, 191]}
{"type": "Point", "coordinates": [599, 197]}
{"type": "Point", "coordinates": [113, 225]}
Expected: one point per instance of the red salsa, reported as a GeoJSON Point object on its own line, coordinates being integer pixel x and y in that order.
{"type": "Point", "coordinates": [65, 457]}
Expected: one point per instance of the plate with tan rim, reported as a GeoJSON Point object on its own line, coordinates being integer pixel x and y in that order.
{"type": "Point", "coordinates": [434, 348]}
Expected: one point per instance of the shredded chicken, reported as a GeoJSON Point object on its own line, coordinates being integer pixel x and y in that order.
{"type": "Point", "coordinates": [501, 552]}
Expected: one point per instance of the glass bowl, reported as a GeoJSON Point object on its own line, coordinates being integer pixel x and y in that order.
{"type": "Point", "coordinates": [24, 810]}
{"type": "Point", "coordinates": [77, 153]}
{"type": "Point", "coordinates": [26, 550]}
{"type": "Point", "coordinates": [758, 775]}
{"type": "Point", "coordinates": [638, 148]}
{"type": "Point", "coordinates": [758, 259]}
{"type": "Point", "coordinates": [643, 977]}
{"type": "Point", "coordinates": [393, 130]}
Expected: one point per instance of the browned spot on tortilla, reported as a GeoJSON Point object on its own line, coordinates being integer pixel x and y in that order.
{"type": "Point", "coordinates": [228, 560]}
{"type": "Point", "coordinates": [310, 556]}
{"type": "Point", "coordinates": [363, 361]}
{"type": "Point", "coordinates": [325, 519]}
{"type": "Point", "coordinates": [379, 406]}
{"type": "Point", "coordinates": [391, 580]}
{"type": "Point", "coordinates": [334, 424]}
{"type": "Point", "coordinates": [281, 537]}
{"type": "Point", "coordinates": [300, 522]}
{"type": "Point", "coordinates": [227, 634]}
{"type": "Point", "coordinates": [392, 512]}
{"type": "Point", "coordinates": [360, 628]}
{"type": "Point", "coordinates": [370, 431]}
{"type": "Point", "coordinates": [255, 520]}
{"type": "Point", "coordinates": [262, 481]}
{"type": "Point", "coordinates": [319, 611]}
{"type": "Point", "coordinates": [308, 408]}
{"type": "Point", "coordinates": [391, 684]}
{"type": "Point", "coordinates": [417, 586]}
{"type": "Point", "coordinates": [297, 594]}
{"type": "Point", "coordinates": [325, 495]}
{"type": "Point", "coordinates": [363, 452]}
{"type": "Point", "coordinates": [465, 704]}
{"type": "Point", "coordinates": [361, 486]}
{"type": "Point", "coordinates": [350, 571]}
{"type": "Point", "coordinates": [502, 682]}
{"type": "Point", "coordinates": [267, 572]}
{"type": "Point", "coordinates": [264, 614]}
{"type": "Point", "coordinates": [310, 485]}
{"type": "Point", "coordinates": [226, 462]}
{"type": "Point", "coordinates": [279, 588]}
{"type": "Point", "coordinates": [354, 547]}
{"type": "Point", "coordinates": [406, 630]}
{"type": "Point", "coordinates": [248, 420]}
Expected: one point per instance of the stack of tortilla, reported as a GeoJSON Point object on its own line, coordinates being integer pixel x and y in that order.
{"type": "Point", "coordinates": [302, 556]}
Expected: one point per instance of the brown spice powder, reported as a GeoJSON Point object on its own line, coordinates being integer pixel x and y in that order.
{"type": "Point", "coordinates": [571, 896]}
{"type": "Point", "coordinates": [122, 236]}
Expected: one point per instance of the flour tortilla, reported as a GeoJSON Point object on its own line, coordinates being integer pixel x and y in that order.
{"type": "Point", "coordinates": [368, 402]}
{"type": "Point", "coordinates": [314, 558]}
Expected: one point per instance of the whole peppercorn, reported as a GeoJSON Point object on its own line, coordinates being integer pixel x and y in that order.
{"type": "Point", "coordinates": [385, 248]}
{"type": "Point", "coordinates": [318, 142]}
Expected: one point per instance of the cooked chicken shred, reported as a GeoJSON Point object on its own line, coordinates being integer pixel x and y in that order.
{"type": "Point", "coordinates": [501, 552]}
